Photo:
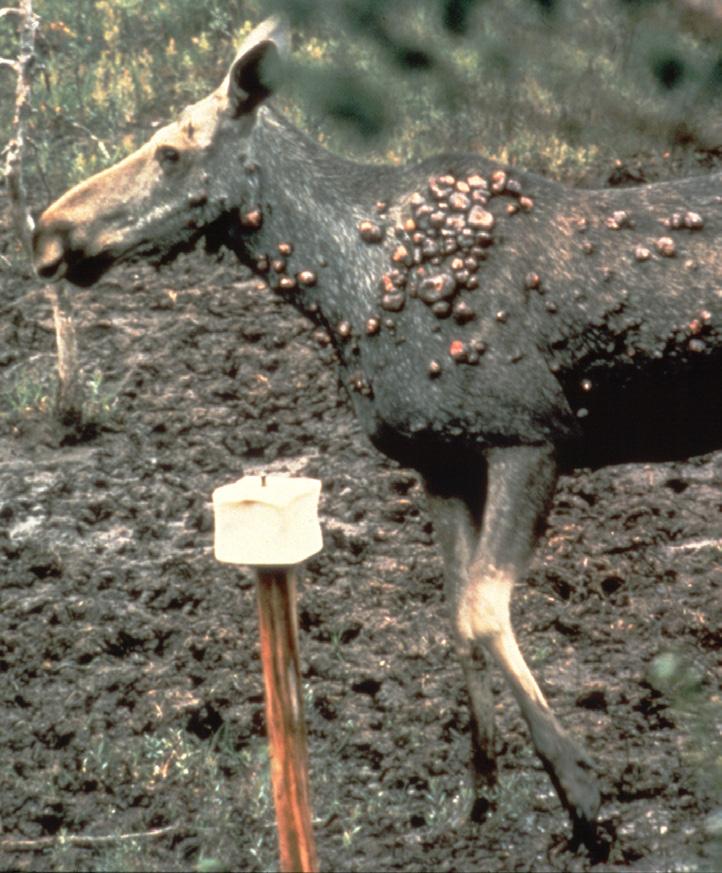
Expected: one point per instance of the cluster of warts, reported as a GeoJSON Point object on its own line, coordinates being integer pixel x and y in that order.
{"type": "Point", "coordinates": [437, 251]}
{"type": "Point", "coordinates": [436, 254]}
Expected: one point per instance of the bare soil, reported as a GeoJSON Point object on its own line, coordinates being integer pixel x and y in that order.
{"type": "Point", "coordinates": [132, 720]}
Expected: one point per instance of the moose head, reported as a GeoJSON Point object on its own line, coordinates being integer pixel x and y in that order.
{"type": "Point", "coordinates": [163, 197]}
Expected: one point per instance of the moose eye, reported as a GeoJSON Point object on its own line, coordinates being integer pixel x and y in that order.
{"type": "Point", "coordinates": [167, 155]}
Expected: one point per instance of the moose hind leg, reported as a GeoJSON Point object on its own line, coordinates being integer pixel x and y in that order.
{"type": "Point", "coordinates": [520, 485]}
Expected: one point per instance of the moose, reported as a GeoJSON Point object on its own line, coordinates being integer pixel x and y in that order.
{"type": "Point", "coordinates": [493, 329]}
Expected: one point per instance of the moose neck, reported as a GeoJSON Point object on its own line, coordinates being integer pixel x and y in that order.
{"type": "Point", "coordinates": [311, 202]}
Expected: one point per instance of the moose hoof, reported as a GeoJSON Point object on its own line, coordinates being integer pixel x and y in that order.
{"type": "Point", "coordinates": [572, 773]}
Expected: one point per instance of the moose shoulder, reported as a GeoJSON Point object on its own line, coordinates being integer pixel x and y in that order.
{"type": "Point", "coordinates": [492, 328]}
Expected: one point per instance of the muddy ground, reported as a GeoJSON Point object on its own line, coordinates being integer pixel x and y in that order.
{"type": "Point", "coordinates": [132, 722]}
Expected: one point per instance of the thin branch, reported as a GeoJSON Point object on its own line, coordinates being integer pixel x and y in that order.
{"type": "Point", "coordinates": [10, 10]}
{"type": "Point", "coordinates": [81, 840]}
{"type": "Point", "coordinates": [14, 65]}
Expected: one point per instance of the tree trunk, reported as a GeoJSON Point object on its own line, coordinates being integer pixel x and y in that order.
{"type": "Point", "coordinates": [69, 400]}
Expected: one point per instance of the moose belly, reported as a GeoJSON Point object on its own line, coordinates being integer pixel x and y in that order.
{"type": "Point", "coordinates": [429, 399]}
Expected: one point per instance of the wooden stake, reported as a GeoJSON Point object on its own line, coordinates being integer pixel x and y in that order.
{"type": "Point", "coordinates": [276, 592]}
{"type": "Point", "coordinates": [271, 523]}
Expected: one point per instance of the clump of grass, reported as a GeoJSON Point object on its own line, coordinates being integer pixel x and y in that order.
{"type": "Point", "coordinates": [32, 394]}
{"type": "Point", "coordinates": [698, 712]}
{"type": "Point", "coordinates": [216, 801]}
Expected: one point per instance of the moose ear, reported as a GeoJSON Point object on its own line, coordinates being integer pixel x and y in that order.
{"type": "Point", "coordinates": [256, 70]}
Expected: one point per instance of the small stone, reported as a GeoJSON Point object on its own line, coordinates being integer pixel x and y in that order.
{"type": "Point", "coordinates": [409, 225]}
{"type": "Point", "coordinates": [532, 281]}
{"type": "Point", "coordinates": [437, 189]}
{"type": "Point", "coordinates": [618, 220]}
{"type": "Point", "coordinates": [441, 309]}
{"type": "Point", "coordinates": [455, 223]}
{"type": "Point", "coordinates": [467, 238]}
{"type": "Point", "coordinates": [429, 248]}
{"type": "Point", "coordinates": [263, 264]}
{"type": "Point", "coordinates": [459, 202]}
{"type": "Point", "coordinates": [286, 283]}
{"type": "Point", "coordinates": [587, 247]}
{"type": "Point", "coordinates": [586, 384]}
{"type": "Point", "coordinates": [478, 345]}
{"type": "Point", "coordinates": [476, 181]}
{"type": "Point", "coordinates": [512, 208]}
{"type": "Point", "coordinates": [400, 254]}
{"type": "Point", "coordinates": [369, 231]}
{"type": "Point", "coordinates": [417, 200]}
{"type": "Point", "coordinates": [373, 326]}
{"type": "Point", "coordinates": [472, 282]}
{"type": "Point", "coordinates": [705, 315]}
{"type": "Point", "coordinates": [252, 219]}
{"type": "Point", "coordinates": [343, 329]}
{"type": "Point", "coordinates": [582, 225]}
{"type": "Point", "coordinates": [582, 412]}
{"type": "Point", "coordinates": [393, 302]}
{"type": "Point", "coordinates": [513, 186]}
{"type": "Point", "coordinates": [463, 313]}
{"type": "Point", "coordinates": [285, 249]}
{"type": "Point", "coordinates": [526, 203]}
{"type": "Point", "coordinates": [693, 221]}
{"type": "Point", "coordinates": [481, 219]}
{"type": "Point", "coordinates": [502, 316]}
{"type": "Point", "coordinates": [434, 369]}
{"type": "Point", "coordinates": [278, 265]}
{"type": "Point", "coordinates": [440, 286]}
{"type": "Point", "coordinates": [666, 246]}
{"type": "Point", "coordinates": [463, 186]}
{"type": "Point", "coordinates": [498, 181]}
{"type": "Point", "coordinates": [381, 206]}
{"type": "Point", "coordinates": [387, 283]}
{"type": "Point", "coordinates": [199, 198]}
{"type": "Point", "coordinates": [307, 278]}
{"type": "Point", "coordinates": [321, 337]}
{"type": "Point", "coordinates": [696, 346]}
{"type": "Point", "coordinates": [551, 307]}
{"type": "Point", "coordinates": [448, 181]}
{"type": "Point", "coordinates": [437, 219]}
{"type": "Point", "coordinates": [458, 351]}
{"type": "Point", "coordinates": [642, 253]}
{"type": "Point", "coordinates": [398, 278]}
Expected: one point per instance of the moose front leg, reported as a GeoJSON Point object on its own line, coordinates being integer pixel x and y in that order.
{"type": "Point", "coordinates": [487, 546]}
{"type": "Point", "coordinates": [456, 518]}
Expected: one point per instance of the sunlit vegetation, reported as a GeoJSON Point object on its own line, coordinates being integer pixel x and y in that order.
{"type": "Point", "coordinates": [551, 86]}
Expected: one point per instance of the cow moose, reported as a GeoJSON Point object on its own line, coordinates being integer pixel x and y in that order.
{"type": "Point", "coordinates": [493, 329]}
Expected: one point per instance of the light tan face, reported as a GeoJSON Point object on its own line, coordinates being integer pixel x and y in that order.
{"type": "Point", "coordinates": [160, 193]}
{"type": "Point", "coordinates": [164, 195]}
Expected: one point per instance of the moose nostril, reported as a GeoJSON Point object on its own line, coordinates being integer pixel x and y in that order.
{"type": "Point", "coordinates": [49, 255]}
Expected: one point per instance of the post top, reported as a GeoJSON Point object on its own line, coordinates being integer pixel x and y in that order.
{"type": "Point", "coordinates": [267, 521]}
{"type": "Point", "coordinates": [276, 491]}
